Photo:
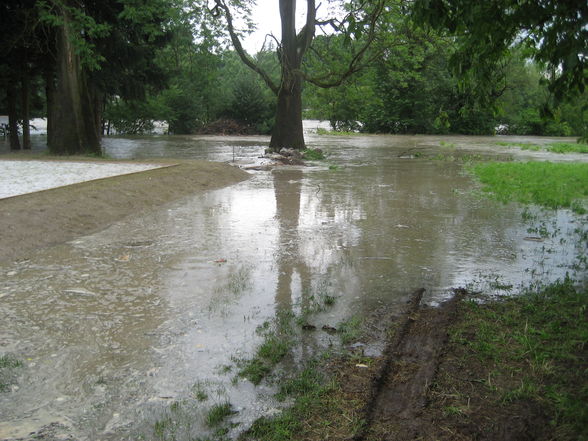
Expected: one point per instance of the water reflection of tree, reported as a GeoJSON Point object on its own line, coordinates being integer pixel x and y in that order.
{"type": "Point", "coordinates": [288, 187]}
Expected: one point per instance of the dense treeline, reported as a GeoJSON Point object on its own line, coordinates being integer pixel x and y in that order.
{"type": "Point", "coordinates": [116, 66]}
{"type": "Point", "coordinates": [410, 87]}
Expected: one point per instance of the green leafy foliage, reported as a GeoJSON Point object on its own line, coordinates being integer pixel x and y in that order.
{"type": "Point", "coordinates": [488, 29]}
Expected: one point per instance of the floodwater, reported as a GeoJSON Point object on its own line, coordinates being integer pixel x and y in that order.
{"type": "Point", "coordinates": [120, 329]}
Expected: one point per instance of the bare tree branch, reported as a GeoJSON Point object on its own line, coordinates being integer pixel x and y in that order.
{"type": "Point", "coordinates": [355, 63]}
{"type": "Point", "coordinates": [239, 48]}
{"type": "Point", "coordinates": [306, 35]}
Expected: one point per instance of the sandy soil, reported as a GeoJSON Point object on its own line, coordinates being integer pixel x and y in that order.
{"type": "Point", "coordinates": [45, 218]}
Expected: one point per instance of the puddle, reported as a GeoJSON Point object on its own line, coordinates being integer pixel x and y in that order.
{"type": "Point", "coordinates": [123, 328]}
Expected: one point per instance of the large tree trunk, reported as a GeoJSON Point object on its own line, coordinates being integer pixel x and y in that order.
{"type": "Point", "coordinates": [25, 107]}
{"type": "Point", "coordinates": [50, 98]}
{"type": "Point", "coordinates": [74, 128]}
{"type": "Point", "coordinates": [288, 131]}
{"type": "Point", "coordinates": [11, 97]}
{"type": "Point", "coordinates": [288, 126]}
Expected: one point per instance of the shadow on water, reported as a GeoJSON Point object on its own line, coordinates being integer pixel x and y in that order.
{"type": "Point", "coordinates": [125, 331]}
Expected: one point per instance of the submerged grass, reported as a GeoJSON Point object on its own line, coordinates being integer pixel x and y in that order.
{"type": "Point", "coordinates": [535, 347]}
{"type": "Point", "coordinates": [277, 343]}
{"type": "Point", "coordinates": [218, 413]}
{"type": "Point", "coordinates": [313, 154]}
{"type": "Point", "coordinates": [349, 330]}
{"type": "Point", "coordinates": [542, 183]}
{"type": "Point", "coordinates": [564, 147]}
{"type": "Point", "coordinates": [8, 364]}
{"type": "Point", "coordinates": [320, 410]}
{"type": "Point", "coordinates": [555, 147]}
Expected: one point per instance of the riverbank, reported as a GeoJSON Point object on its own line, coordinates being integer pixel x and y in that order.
{"type": "Point", "coordinates": [45, 218]}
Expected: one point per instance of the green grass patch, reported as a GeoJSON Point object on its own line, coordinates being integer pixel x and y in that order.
{"type": "Point", "coordinates": [535, 348]}
{"type": "Point", "coordinates": [279, 336]}
{"type": "Point", "coordinates": [313, 154]}
{"type": "Point", "coordinates": [275, 346]}
{"type": "Point", "coordinates": [521, 145]}
{"type": "Point", "coordinates": [199, 391]}
{"type": "Point", "coordinates": [218, 413]}
{"type": "Point", "coordinates": [274, 349]}
{"type": "Point", "coordinates": [8, 364]}
{"type": "Point", "coordinates": [542, 183]}
{"type": "Point", "coordinates": [564, 147]}
{"type": "Point", "coordinates": [306, 382]}
{"type": "Point", "coordinates": [349, 330]}
{"type": "Point", "coordinates": [556, 147]}
{"type": "Point", "coordinates": [314, 396]}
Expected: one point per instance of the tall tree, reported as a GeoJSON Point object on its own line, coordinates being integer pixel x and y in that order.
{"type": "Point", "coordinates": [357, 20]}
{"type": "Point", "coordinates": [101, 48]}
{"type": "Point", "coordinates": [555, 31]}
{"type": "Point", "coordinates": [19, 51]}
{"type": "Point", "coordinates": [85, 50]}
{"type": "Point", "coordinates": [75, 126]}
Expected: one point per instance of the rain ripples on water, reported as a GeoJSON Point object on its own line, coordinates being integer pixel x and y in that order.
{"type": "Point", "coordinates": [116, 327]}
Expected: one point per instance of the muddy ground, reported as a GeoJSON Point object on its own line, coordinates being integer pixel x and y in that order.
{"type": "Point", "coordinates": [45, 218]}
{"type": "Point", "coordinates": [421, 389]}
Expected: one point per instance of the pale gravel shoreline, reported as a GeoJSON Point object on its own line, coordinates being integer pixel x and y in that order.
{"type": "Point", "coordinates": [18, 177]}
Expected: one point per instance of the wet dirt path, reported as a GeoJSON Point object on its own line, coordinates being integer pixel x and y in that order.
{"type": "Point", "coordinates": [400, 387]}
{"type": "Point", "coordinates": [116, 326]}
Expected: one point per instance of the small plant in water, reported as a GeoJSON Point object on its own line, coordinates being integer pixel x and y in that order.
{"type": "Point", "coordinates": [199, 391]}
{"type": "Point", "coordinates": [217, 414]}
{"type": "Point", "coordinates": [349, 330]}
{"type": "Point", "coordinates": [7, 365]}
{"type": "Point", "coordinates": [313, 154]}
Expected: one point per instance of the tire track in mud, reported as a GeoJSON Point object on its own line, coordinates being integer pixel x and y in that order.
{"type": "Point", "coordinates": [399, 390]}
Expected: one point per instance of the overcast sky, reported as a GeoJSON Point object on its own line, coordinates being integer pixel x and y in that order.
{"type": "Point", "coordinates": [266, 15]}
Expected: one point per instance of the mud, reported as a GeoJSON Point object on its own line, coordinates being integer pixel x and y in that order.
{"type": "Point", "coordinates": [46, 218]}
{"type": "Point", "coordinates": [401, 392]}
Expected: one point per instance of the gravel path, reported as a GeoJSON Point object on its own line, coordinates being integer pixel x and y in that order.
{"type": "Point", "coordinates": [21, 177]}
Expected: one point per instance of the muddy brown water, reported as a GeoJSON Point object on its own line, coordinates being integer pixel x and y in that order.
{"type": "Point", "coordinates": [115, 327]}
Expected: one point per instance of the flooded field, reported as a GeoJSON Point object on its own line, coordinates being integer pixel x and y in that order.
{"type": "Point", "coordinates": [135, 325]}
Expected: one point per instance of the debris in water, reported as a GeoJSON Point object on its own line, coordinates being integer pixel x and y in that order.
{"type": "Point", "coordinates": [80, 291]}
{"type": "Point", "coordinates": [534, 239]}
{"type": "Point", "coordinates": [329, 329]}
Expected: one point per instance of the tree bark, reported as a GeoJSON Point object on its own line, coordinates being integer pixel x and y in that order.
{"type": "Point", "coordinates": [25, 107]}
{"type": "Point", "coordinates": [288, 131]}
{"type": "Point", "coordinates": [74, 128]}
{"type": "Point", "coordinates": [11, 97]}
{"type": "Point", "coordinates": [50, 98]}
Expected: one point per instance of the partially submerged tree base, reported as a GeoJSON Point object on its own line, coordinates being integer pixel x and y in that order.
{"type": "Point", "coordinates": [359, 25]}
